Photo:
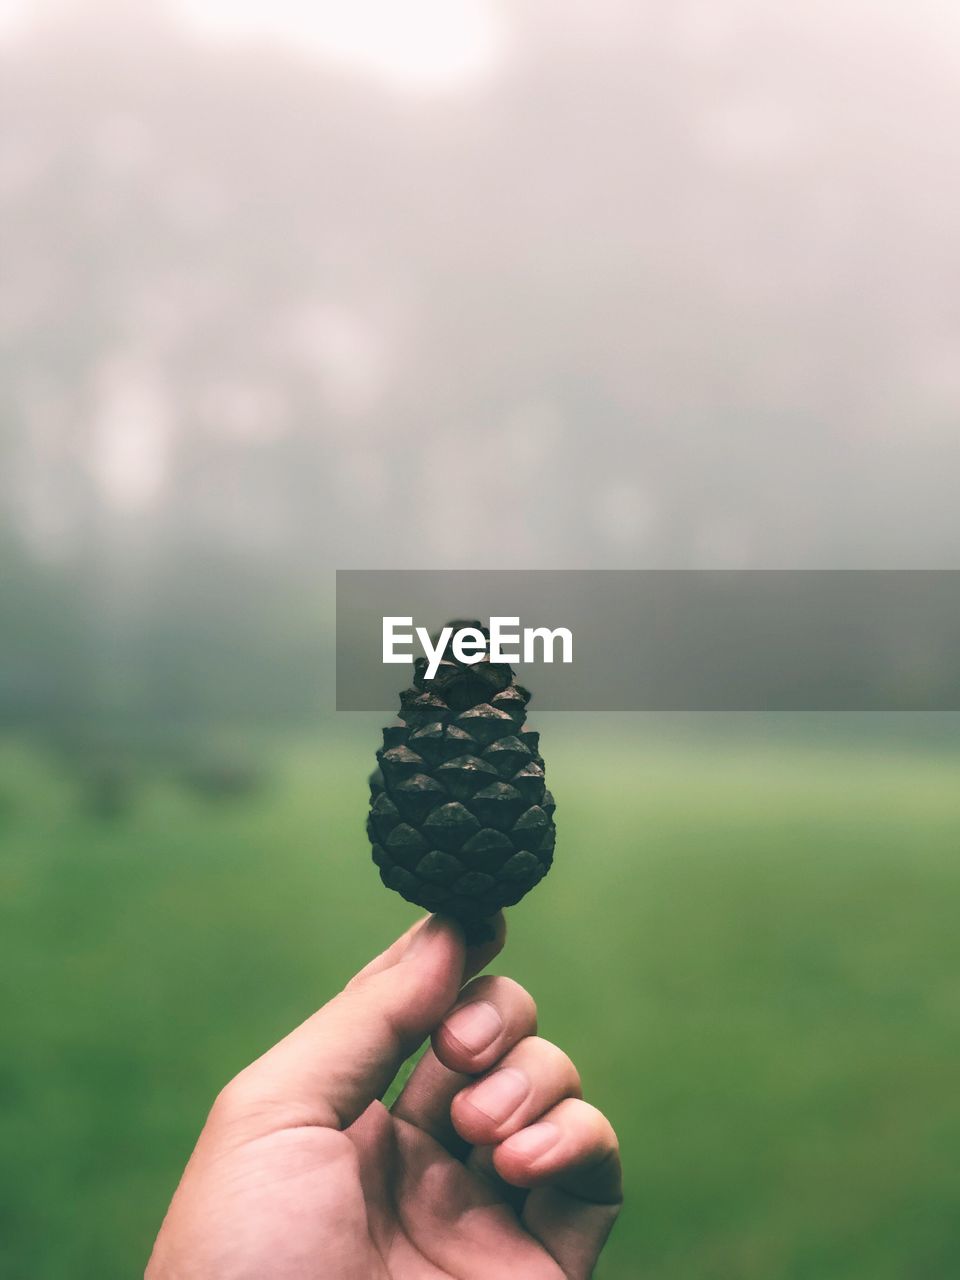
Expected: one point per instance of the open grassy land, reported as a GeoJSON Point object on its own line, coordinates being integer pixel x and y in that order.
{"type": "Point", "coordinates": [752, 951]}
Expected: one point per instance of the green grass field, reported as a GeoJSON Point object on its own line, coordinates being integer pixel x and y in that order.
{"type": "Point", "coordinates": [751, 949]}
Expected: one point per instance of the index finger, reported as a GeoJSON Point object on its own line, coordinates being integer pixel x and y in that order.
{"type": "Point", "coordinates": [477, 956]}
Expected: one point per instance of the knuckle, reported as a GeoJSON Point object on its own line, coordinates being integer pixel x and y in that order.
{"type": "Point", "coordinates": [601, 1128]}
{"type": "Point", "coordinates": [552, 1061]}
{"type": "Point", "coordinates": [241, 1098]}
{"type": "Point", "coordinates": [247, 1104]}
{"type": "Point", "coordinates": [507, 994]}
{"type": "Point", "coordinates": [520, 999]}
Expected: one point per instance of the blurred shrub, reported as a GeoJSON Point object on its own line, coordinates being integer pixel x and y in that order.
{"type": "Point", "coordinates": [108, 784]}
{"type": "Point", "coordinates": [221, 778]}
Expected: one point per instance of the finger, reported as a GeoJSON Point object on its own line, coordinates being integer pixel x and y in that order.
{"type": "Point", "coordinates": [532, 1078]}
{"type": "Point", "coordinates": [329, 1069]}
{"type": "Point", "coordinates": [570, 1158]}
{"type": "Point", "coordinates": [425, 1101]}
{"type": "Point", "coordinates": [393, 953]}
{"type": "Point", "coordinates": [572, 1146]}
{"type": "Point", "coordinates": [478, 956]}
{"type": "Point", "coordinates": [573, 1231]}
{"type": "Point", "coordinates": [538, 1074]}
{"type": "Point", "coordinates": [490, 1016]}
{"type": "Point", "coordinates": [480, 1163]}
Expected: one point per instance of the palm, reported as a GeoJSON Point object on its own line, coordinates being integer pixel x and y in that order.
{"type": "Point", "coordinates": [381, 1201]}
{"type": "Point", "coordinates": [431, 1214]}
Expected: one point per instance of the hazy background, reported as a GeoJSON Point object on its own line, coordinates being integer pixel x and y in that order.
{"type": "Point", "coordinates": [286, 287]}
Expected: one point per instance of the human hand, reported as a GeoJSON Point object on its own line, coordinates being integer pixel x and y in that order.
{"type": "Point", "coordinates": [300, 1173]}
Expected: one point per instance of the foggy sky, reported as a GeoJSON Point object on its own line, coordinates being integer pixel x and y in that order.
{"type": "Point", "coordinates": [676, 286]}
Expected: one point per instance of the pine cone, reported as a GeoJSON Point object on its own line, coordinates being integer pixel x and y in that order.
{"type": "Point", "coordinates": [460, 818]}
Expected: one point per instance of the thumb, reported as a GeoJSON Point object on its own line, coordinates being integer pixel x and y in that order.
{"type": "Point", "coordinates": [335, 1064]}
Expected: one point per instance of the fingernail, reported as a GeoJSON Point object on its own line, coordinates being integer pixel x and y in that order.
{"type": "Point", "coordinates": [475, 1026]}
{"type": "Point", "coordinates": [500, 1094]}
{"type": "Point", "coordinates": [534, 1141]}
{"type": "Point", "coordinates": [423, 936]}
